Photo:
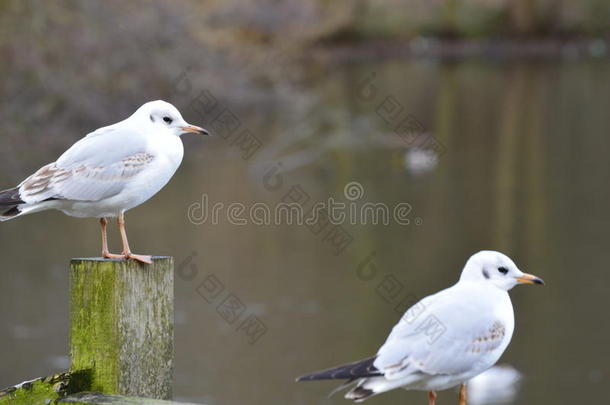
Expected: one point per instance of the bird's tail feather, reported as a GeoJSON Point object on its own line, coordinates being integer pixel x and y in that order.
{"type": "Point", "coordinates": [10, 197]}
{"type": "Point", "coordinates": [10, 213]}
{"type": "Point", "coordinates": [10, 202]}
{"type": "Point", "coordinates": [367, 387]}
{"type": "Point", "coordinates": [341, 387]}
{"type": "Point", "coordinates": [359, 393]}
{"type": "Point", "coordinates": [355, 373]}
{"type": "Point", "coordinates": [351, 371]}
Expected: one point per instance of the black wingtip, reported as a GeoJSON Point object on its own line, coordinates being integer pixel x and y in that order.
{"type": "Point", "coordinates": [358, 369]}
{"type": "Point", "coordinates": [10, 197]}
{"type": "Point", "coordinates": [308, 377]}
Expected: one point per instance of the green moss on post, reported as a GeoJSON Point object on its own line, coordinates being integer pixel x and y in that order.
{"type": "Point", "coordinates": [45, 390]}
{"type": "Point", "coordinates": [122, 319]}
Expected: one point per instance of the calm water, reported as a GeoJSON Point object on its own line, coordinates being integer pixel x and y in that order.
{"type": "Point", "coordinates": [525, 170]}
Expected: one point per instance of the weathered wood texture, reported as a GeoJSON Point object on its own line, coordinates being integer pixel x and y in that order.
{"type": "Point", "coordinates": [122, 318]}
{"type": "Point", "coordinates": [87, 398]}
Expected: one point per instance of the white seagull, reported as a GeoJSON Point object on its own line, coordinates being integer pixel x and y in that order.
{"type": "Point", "coordinates": [108, 172]}
{"type": "Point", "coordinates": [446, 338]}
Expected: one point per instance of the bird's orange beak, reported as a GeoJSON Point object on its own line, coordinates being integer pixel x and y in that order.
{"type": "Point", "coordinates": [195, 129]}
{"type": "Point", "coordinates": [529, 279]}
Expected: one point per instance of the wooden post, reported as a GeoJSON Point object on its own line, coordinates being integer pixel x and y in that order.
{"type": "Point", "coordinates": [95, 398]}
{"type": "Point", "coordinates": [122, 325]}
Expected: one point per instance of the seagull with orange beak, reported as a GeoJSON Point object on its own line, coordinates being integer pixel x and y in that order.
{"type": "Point", "coordinates": [445, 339]}
{"type": "Point", "coordinates": [111, 170]}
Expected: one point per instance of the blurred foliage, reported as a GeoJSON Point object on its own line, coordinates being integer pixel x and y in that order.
{"type": "Point", "coordinates": [300, 22]}
{"type": "Point", "coordinates": [323, 20]}
{"type": "Point", "coordinates": [79, 63]}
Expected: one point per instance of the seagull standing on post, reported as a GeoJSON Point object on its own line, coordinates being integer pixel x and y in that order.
{"type": "Point", "coordinates": [108, 172]}
{"type": "Point", "coordinates": [445, 339]}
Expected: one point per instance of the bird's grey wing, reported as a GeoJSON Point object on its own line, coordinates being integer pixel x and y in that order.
{"type": "Point", "coordinates": [439, 336]}
{"type": "Point", "coordinates": [103, 146]}
{"type": "Point", "coordinates": [94, 168]}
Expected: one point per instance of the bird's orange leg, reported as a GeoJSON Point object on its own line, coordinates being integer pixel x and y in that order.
{"type": "Point", "coordinates": [105, 252]}
{"type": "Point", "coordinates": [126, 251]}
{"type": "Point", "coordinates": [463, 394]}
{"type": "Point", "coordinates": [431, 398]}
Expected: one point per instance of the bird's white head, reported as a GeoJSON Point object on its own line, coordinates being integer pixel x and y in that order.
{"type": "Point", "coordinates": [495, 268]}
{"type": "Point", "coordinates": [160, 114]}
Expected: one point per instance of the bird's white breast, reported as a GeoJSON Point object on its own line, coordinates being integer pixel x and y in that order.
{"type": "Point", "coordinates": [168, 152]}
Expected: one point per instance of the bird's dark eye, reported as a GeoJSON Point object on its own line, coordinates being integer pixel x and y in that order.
{"type": "Point", "coordinates": [167, 120]}
{"type": "Point", "coordinates": [503, 270]}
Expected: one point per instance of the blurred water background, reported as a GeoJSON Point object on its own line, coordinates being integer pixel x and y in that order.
{"type": "Point", "coordinates": [511, 102]}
